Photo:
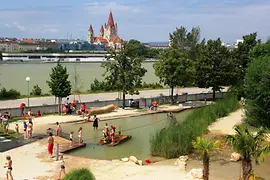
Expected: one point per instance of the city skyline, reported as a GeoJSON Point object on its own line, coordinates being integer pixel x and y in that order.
{"type": "Point", "coordinates": [144, 20]}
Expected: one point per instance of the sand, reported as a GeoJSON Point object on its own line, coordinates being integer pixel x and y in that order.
{"type": "Point", "coordinates": [32, 162]}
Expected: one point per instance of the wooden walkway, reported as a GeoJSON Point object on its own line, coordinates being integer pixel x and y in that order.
{"type": "Point", "coordinates": [64, 144]}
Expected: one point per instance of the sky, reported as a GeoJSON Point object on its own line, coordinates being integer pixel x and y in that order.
{"type": "Point", "coordinates": [144, 20]}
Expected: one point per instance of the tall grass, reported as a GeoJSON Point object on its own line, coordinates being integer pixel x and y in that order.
{"type": "Point", "coordinates": [79, 174]}
{"type": "Point", "coordinates": [176, 140]}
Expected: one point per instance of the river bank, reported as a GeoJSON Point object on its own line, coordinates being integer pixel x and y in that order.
{"type": "Point", "coordinates": [35, 155]}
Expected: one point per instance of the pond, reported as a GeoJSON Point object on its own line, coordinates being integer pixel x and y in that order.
{"type": "Point", "coordinates": [140, 128]}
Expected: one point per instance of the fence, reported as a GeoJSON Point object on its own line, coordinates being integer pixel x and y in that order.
{"type": "Point", "coordinates": [143, 102]}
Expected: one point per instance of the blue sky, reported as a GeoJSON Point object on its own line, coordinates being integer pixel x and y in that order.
{"type": "Point", "coordinates": [145, 20]}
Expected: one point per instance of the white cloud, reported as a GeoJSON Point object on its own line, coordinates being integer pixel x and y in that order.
{"type": "Point", "coordinates": [7, 25]}
{"type": "Point", "coordinates": [18, 26]}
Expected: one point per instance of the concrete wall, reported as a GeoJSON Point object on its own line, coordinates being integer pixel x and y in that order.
{"type": "Point", "coordinates": [144, 102]}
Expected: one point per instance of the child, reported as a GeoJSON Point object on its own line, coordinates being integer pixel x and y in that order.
{"type": "Point", "coordinates": [25, 129]}
{"type": "Point", "coordinates": [80, 135]}
{"type": "Point", "coordinates": [71, 139]}
{"type": "Point", "coordinates": [17, 129]}
{"type": "Point", "coordinates": [62, 168]}
{"type": "Point", "coordinates": [9, 166]}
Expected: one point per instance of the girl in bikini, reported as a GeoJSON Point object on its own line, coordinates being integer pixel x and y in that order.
{"type": "Point", "coordinates": [9, 166]}
{"type": "Point", "coordinates": [80, 135]}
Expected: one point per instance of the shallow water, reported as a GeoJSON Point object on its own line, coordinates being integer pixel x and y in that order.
{"type": "Point", "coordinates": [140, 128]}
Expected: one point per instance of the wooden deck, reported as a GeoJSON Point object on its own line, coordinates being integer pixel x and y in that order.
{"type": "Point", "coordinates": [120, 140]}
{"type": "Point", "coordinates": [64, 144]}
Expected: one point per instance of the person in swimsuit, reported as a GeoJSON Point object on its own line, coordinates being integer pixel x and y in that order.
{"type": "Point", "coordinates": [30, 128]}
{"type": "Point", "coordinates": [80, 135]}
{"type": "Point", "coordinates": [50, 144]}
{"type": "Point", "coordinates": [95, 123]}
{"type": "Point", "coordinates": [9, 166]}
{"type": "Point", "coordinates": [17, 129]}
{"type": "Point", "coordinates": [113, 134]}
{"type": "Point", "coordinates": [71, 139]}
{"type": "Point", "coordinates": [5, 123]}
{"type": "Point", "coordinates": [25, 129]}
{"type": "Point", "coordinates": [58, 129]}
{"type": "Point", "coordinates": [62, 167]}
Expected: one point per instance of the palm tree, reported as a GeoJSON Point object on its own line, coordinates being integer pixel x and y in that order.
{"type": "Point", "coordinates": [249, 145]}
{"type": "Point", "coordinates": [204, 146]}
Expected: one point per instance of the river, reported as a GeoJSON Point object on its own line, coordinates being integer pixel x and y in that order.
{"type": "Point", "coordinates": [13, 75]}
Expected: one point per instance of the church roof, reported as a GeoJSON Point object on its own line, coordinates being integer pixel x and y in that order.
{"type": "Point", "coordinates": [115, 39]}
{"type": "Point", "coordinates": [110, 20]}
{"type": "Point", "coordinates": [90, 28]}
{"type": "Point", "coordinates": [100, 39]}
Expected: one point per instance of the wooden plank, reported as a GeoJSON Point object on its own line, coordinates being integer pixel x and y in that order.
{"type": "Point", "coordinates": [64, 144]}
{"type": "Point", "coordinates": [120, 140]}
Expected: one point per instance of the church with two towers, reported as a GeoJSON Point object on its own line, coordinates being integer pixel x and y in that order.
{"type": "Point", "coordinates": [108, 35]}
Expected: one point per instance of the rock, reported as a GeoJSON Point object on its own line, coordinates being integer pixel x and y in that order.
{"type": "Point", "coordinates": [125, 159]}
{"type": "Point", "coordinates": [235, 157]}
{"type": "Point", "coordinates": [195, 174]}
{"type": "Point", "coordinates": [183, 158]}
{"type": "Point", "coordinates": [139, 162]}
{"type": "Point", "coordinates": [133, 159]}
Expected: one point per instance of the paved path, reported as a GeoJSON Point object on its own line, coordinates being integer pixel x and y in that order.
{"type": "Point", "coordinates": [101, 96]}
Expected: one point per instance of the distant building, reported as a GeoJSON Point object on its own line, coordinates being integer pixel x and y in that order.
{"type": "Point", "coordinates": [9, 46]}
{"type": "Point", "coordinates": [81, 46]}
{"type": "Point", "coordinates": [27, 45]}
{"type": "Point", "coordinates": [108, 35]}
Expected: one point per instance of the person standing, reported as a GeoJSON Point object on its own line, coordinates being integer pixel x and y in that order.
{"type": "Point", "coordinates": [50, 144]}
{"type": "Point", "coordinates": [22, 106]}
{"type": "Point", "coordinates": [25, 129]}
{"type": "Point", "coordinates": [30, 128]}
{"type": "Point", "coordinates": [95, 123]}
{"type": "Point", "coordinates": [80, 135]}
{"type": "Point", "coordinates": [62, 167]}
{"type": "Point", "coordinates": [83, 107]}
{"type": "Point", "coordinates": [8, 165]}
{"type": "Point", "coordinates": [58, 129]}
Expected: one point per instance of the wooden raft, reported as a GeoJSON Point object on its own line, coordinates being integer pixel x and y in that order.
{"type": "Point", "coordinates": [120, 139]}
{"type": "Point", "coordinates": [64, 144]}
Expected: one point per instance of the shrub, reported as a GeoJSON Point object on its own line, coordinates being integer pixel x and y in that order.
{"type": "Point", "coordinates": [80, 174]}
{"type": "Point", "coordinates": [175, 140]}
{"type": "Point", "coordinates": [36, 91]}
{"type": "Point", "coordinates": [10, 94]}
{"type": "Point", "coordinates": [257, 85]}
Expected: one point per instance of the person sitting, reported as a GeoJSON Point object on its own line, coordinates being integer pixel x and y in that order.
{"type": "Point", "coordinates": [132, 103]}
{"type": "Point", "coordinates": [38, 113]}
{"type": "Point", "coordinates": [29, 113]}
{"type": "Point", "coordinates": [155, 105]}
{"type": "Point", "coordinates": [88, 117]}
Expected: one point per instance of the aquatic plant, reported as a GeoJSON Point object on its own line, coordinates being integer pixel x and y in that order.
{"type": "Point", "coordinates": [80, 174]}
{"type": "Point", "coordinates": [176, 140]}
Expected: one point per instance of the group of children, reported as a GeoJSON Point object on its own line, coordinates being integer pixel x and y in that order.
{"type": "Point", "coordinates": [107, 135]}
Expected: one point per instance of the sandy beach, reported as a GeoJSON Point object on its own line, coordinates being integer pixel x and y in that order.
{"type": "Point", "coordinates": [31, 161]}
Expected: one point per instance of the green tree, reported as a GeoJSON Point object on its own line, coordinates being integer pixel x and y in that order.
{"type": "Point", "coordinates": [214, 67]}
{"type": "Point", "coordinates": [186, 41]}
{"type": "Point", "coordinates": [204, 146]}
{"type": "Point", "coordinates": [249, 145]}
{"type": "Point", "coordinates": [124, 72]}
{"type": "Point", "coordinates": [241, 57]}
{"type": "Point", "coordinates": [134, 48]}
{"type": "Point", "coordinates": [59, 84]}
{"type": "Point", "coordinates": [80, 174]}
{"type": "Point", "coordinates": [174, 69]}
{"type": "Point", "coordinates": [36, 91]}
{"type": "Point", "coordinates": [257, 85]}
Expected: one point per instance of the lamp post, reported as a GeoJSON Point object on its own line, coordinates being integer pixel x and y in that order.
{"type": "Point", "coordinates": [28, 80]}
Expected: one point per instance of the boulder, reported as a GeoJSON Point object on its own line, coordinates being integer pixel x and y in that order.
{"type": "Point", "coordinates": [125, 159]}
{"type": "Point", "coordinates": [133, 159]}
{"type": "Point", "coordinates": [235, 157]}
{"type": "Point", "coordinates": [183, 158]}
{"type": "Point", "coordinates": [139, 162]}
{"type": "Point", "coordinates": [195, 174]}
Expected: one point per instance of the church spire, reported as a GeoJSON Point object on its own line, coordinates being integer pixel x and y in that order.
{"type": "Point", "coordinates": [90, 28]}
{"type": "Point", "coordinates": [101, 32]}
{"type": "Point", "coordinates": [110, 20]}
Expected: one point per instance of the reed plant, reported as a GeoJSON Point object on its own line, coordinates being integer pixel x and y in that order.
{"type": "Point", "coordinates": [175, 140]}
{"type": "Point", "coordinates": [80, 174]}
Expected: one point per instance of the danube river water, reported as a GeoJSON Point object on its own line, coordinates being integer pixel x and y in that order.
{"type": "Point", "coordinates": [13, 75]}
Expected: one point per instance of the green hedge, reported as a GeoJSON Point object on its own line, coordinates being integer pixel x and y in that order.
{"type": "Point", "coordinates": [80, 174]}
{"type": "Point", "coordinates": [176, 140]}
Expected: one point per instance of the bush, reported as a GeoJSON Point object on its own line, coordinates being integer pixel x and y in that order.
{"type": "Point", "coordinates": [36, 91]}
{"type": "Point", "coordinates": [176, 140]}
{"type": "Point", "coordinates": [257, 85]}
{"type": "Point", "coordinates": [106, 86]}
{"type": "Point", "coordinates": [80, 174]}
{"type": "Point", "coordinates": [10, 94]}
